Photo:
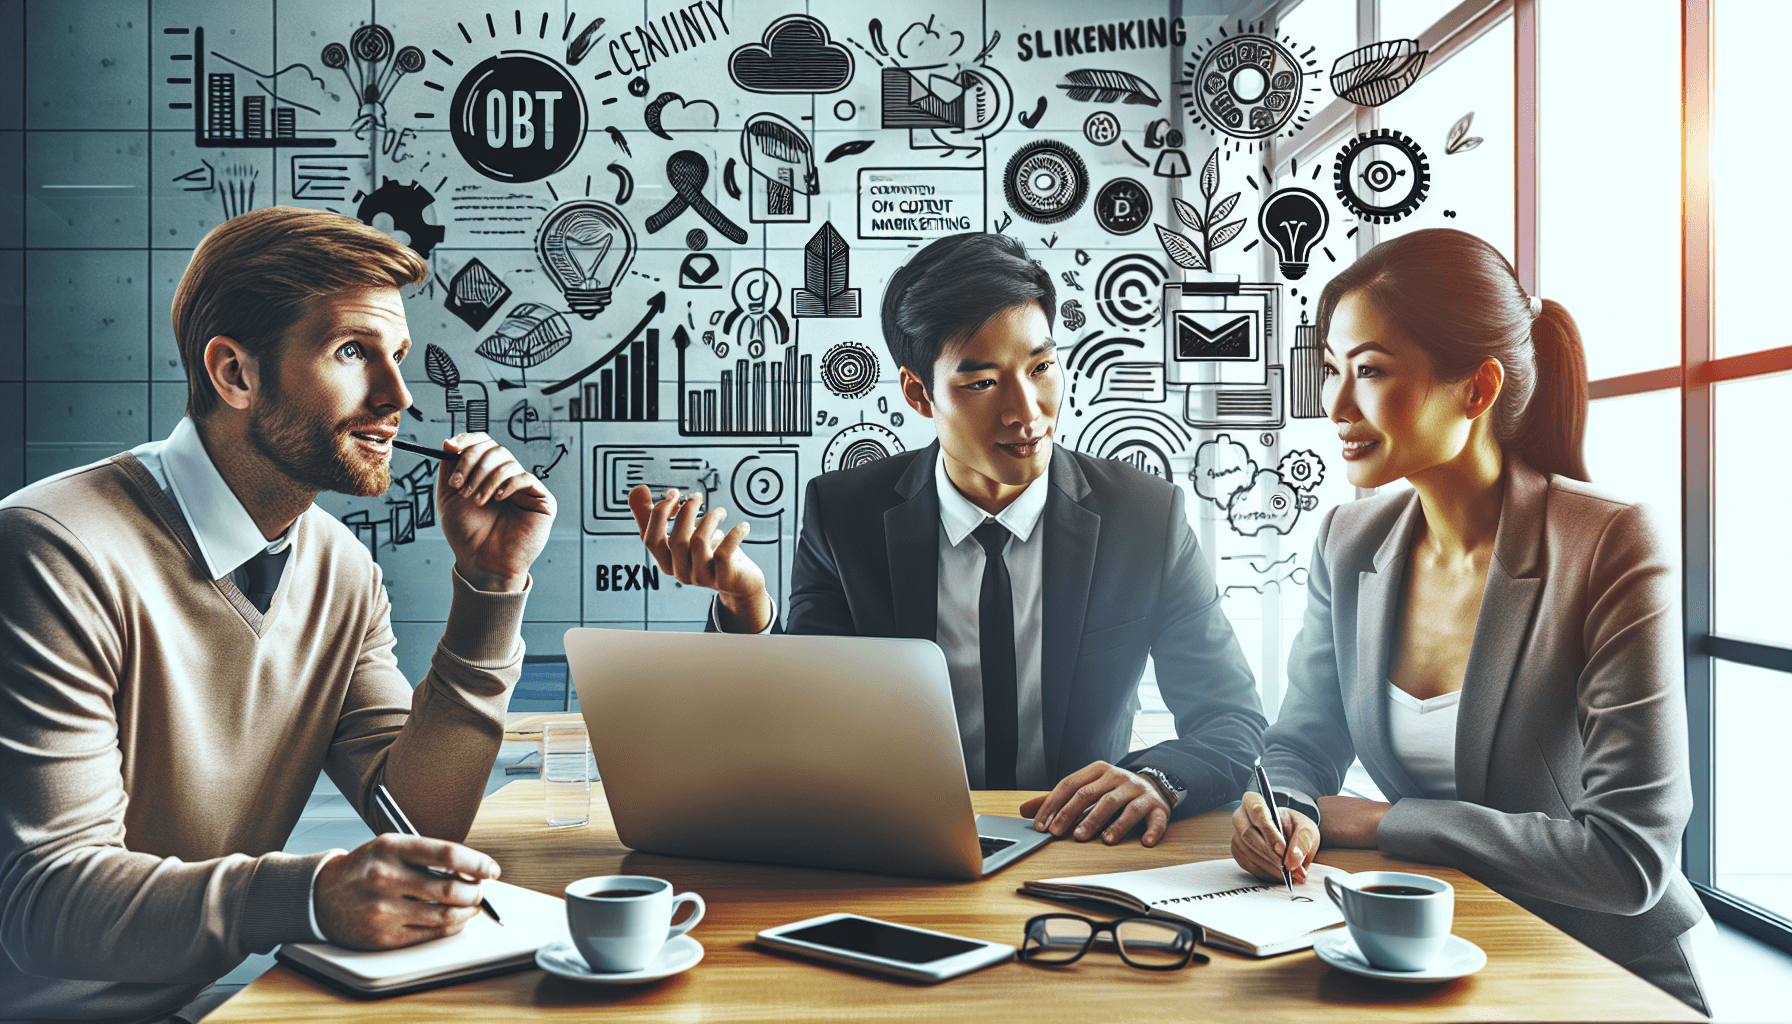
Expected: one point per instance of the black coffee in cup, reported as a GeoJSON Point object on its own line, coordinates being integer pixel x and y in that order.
{"type": "Point", "coordinates": [619, 894]}
{"type": "Point", "coordinates": [1397, 890]}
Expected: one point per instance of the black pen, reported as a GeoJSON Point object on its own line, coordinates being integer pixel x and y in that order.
{"type": "Point", "coordinates": [1275, 815]}
{"type": "Point", "coordinates": [418, 449]}
{"type": "Point", "coordinates": [389, 807]}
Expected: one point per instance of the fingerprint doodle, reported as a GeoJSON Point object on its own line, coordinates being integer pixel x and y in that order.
{"type": "Point", "coordinates": [1129, 291]}
{"type": "Point", "coordinates": [859, 445]}
{"type": "Point", "coordinates": [849, 370]}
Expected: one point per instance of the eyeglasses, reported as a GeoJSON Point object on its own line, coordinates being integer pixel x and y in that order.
{"type": "Point", "coordinates": [1148, 943]}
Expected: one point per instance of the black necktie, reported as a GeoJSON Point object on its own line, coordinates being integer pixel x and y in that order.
{"type": "Point", "coordinates": [995, 637]}
{"type": "Point", "coordinates": [259, 577]}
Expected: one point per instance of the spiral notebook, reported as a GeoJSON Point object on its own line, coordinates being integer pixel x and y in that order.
{"type": "Point", "coordinates": [1238, 910]}
{"type": "Point", "coordinates": [483, 947]}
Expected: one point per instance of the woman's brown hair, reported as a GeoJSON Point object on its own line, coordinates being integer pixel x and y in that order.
{"type": "Point", "coordinates": [251, 276]}
{"type": "Point", "coordinates": [1459, 300]}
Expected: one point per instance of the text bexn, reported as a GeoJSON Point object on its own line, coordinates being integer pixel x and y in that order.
{"type": "Point", "coordinates": [1143, 34]}
{"type": "Point", "coordinates": [670, 33]}
{"type": "Point", "coordinates": [510, 118]}
{"type": "Point", "coordinates": [627, 577]}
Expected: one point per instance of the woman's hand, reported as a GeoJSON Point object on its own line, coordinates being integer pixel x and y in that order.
{"type": "Point", "coordinates": [1351, 821]}
{"type": "Point", "coordinates": [1263, 849]}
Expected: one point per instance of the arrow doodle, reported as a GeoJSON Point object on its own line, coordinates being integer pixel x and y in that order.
{"type": "Point", "coordinates": [655, 306]}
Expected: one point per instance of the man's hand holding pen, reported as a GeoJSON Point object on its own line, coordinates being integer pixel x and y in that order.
{"type": "Point", "coordinates": [494, 513]}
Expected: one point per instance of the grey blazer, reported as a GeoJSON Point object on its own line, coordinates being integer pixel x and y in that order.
{"type": "Point", "coordinates": [1571, 736]}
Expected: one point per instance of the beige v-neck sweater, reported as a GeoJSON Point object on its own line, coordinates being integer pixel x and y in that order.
{"type": "Point", "coordinates": [159, 737]}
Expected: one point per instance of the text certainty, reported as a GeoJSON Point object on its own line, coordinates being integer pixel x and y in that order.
{"type": "Point", "coordinates": [668, 34]}
{"type": "Point", "coordinates": [1141, 34]}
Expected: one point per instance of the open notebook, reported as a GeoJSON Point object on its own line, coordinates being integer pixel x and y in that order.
{"type": "Point", "coordinates": [483, 947]}
{"type": "Point", "coordinates": [1239, 911]}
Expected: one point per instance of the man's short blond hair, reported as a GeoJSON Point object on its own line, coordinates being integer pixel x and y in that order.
{"type": "Point", "coordinates": [251, 276]}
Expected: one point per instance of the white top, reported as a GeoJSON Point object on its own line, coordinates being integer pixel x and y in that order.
{"type": "Point", "coordinates": [960, 593]}
{"type": "Point", "coordinates": [226, 533]}
{"type": "Point", "coordinates": [1423, 734]}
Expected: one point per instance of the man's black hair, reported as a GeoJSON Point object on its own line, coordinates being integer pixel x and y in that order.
{"type": "Point", "coordinates": [951, 288]}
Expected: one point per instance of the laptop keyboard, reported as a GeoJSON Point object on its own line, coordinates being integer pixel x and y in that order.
{"type": "Point", "coordinates": [991, 845]}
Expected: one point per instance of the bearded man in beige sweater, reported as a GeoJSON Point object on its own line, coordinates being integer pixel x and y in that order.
{"type": "Point", "coordinates": [186, 641]}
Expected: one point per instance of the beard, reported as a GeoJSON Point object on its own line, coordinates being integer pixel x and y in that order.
{"type": "Point", "coordinates": [314, 453]}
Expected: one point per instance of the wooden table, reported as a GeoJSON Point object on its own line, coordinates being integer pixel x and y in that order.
{"type": "Point", "coordinates": [1534, 972]}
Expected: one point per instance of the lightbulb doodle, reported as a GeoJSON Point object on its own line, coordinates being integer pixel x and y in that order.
{"type": "Point", "coordinates": [585, 246]}
{"type": "Point", "coordinates": [1292, 221]}
{"type": "Point", "coordinates": [1249, 87]}
{"type": "Point", "coordinates": [1381, 176]}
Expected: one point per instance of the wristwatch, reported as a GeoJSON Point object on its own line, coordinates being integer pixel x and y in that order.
{"type": "Point", "coordinates": [1169, 785]}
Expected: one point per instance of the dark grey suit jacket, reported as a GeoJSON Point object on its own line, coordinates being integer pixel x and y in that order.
{"type": "Point", "coordinates": [1123, 579]}
{"type": "Point", "coordinates": [1571, 761]}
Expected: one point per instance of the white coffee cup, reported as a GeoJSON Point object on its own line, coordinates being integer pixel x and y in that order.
{"type": "Point", "coordinates": [1395, 931]}
{"type": "Point", "coordinates": [619, 922]}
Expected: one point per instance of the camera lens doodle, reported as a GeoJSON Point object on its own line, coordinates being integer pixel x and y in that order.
{"type": "Point", "coordinates": [1045, 181]}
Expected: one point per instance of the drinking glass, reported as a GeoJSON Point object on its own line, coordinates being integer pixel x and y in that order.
{"type": "Point", "coordinates": [565, 750]}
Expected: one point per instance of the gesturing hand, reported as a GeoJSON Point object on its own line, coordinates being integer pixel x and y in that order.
{"type": "Point", "coordinates": [1262, 846]}
{"type": "Point", "coordinates": [1113, 797]}
{"type": "Point", "coordinates": [379, 897]}
{"type": "Point", "coordinates": [495, 514]}
{"type": "Point", "coordinates": [695, 551]}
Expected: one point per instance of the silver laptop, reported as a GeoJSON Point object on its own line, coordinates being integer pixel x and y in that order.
{"type": "Point", "coordinates": [834, 752]}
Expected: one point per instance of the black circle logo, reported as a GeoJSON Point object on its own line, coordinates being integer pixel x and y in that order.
{"type": "Point", "coordinates": [1122, 206]}
{"type": "Point", "coordinates": [518, 117]}
{"type": "Point", "coordinates": [1045, 181]}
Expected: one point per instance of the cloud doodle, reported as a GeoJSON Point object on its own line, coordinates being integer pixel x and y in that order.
{"type": "Point", "coordinates": [795, 55]}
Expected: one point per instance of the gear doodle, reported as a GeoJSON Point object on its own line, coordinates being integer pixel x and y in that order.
{"type": "Point", "coordinates": [1382, 176]}
{"type": "Point", "coordinates": [1302, 470]}
{"type": "Point", "coordinates": [1045, 181]}
{"type": "Point", "coordinates": [404, 204]}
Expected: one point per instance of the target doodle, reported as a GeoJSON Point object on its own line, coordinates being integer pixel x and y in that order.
{"type": "Point", "coordinates": [849, 370]}
{"type": "Point", "coordinates": [1129, 291]}
{"type": "Point", "coordinates": [1382, 176]}
{"type": "Point", "coordinates": [860, 444]}
{"type": "Point", "coordinates": [1045, 181]}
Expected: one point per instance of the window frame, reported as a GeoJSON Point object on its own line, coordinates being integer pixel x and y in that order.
{"type": "Point", "coordinates": [1694, 377]}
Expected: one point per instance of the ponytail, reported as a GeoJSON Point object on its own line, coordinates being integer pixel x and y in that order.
{"type": "Point", "coordinates": [1551, 428]}
{"type": "Point", "coordinates": [1458, 299]}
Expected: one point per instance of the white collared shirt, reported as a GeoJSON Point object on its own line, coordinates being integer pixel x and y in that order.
{"type": "Point", "coordinates": [225, 532]}
{"type": "Point", "coordinates": [960, 592]}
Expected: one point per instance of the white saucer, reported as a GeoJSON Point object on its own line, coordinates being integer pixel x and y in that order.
{"type": "Point", "coordinates": [1459, 958]}
{"type": "Point", "coordinates": [675, 957]}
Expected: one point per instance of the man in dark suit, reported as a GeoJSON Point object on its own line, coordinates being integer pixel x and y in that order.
{"type": "Point", "coordinates": [1046, 644]}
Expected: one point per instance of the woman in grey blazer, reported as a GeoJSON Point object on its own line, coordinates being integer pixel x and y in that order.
{"type": "Point", "coordinates": [1541, 609]}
